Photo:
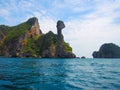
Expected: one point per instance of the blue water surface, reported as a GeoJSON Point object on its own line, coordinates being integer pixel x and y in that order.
{"type": "Point", "coordinates": [59, 74]}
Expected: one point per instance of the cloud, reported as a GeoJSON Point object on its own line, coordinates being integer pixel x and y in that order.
{"type": "Point", "coordinates": [4, 12]}
{"type": "Point", "coordinates": [96, 28]}
{"type": "Point", "coordinates": [86, 37]}
{"type": "Point", "coordinates": [47, 24]}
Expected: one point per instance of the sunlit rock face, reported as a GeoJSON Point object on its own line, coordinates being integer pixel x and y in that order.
{"type": "Point", "coordinates": [35, 28]}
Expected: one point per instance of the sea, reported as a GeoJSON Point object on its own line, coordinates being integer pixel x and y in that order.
{"type": "Point", "coordinates": [59, 74]}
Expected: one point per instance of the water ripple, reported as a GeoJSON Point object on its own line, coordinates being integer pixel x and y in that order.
{"type": "Point", "coordinates": [59, 74]}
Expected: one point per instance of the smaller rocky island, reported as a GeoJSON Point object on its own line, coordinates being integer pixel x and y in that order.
{"type": "Point", "coordinates": [107, 50]}
{"type": "Point", "coordinates": [27, 40]}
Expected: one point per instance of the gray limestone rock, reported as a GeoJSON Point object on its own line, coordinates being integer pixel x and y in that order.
{"type": "Point", "coordinates": [60, 25]}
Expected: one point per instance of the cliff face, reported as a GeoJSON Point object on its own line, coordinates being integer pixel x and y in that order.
{"type": "Point", "coordinates": [27, 40]}
{"type": "Point", "coordinates": [108, 50]}
{"type": "Point", "coordinates": [15, 39]}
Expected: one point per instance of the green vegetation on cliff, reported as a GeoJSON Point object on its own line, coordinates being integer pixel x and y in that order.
{"type": "Point", "coordinates": [67, 47]}
{"type": "Point", "coordinates": [31, 47]}
{"type": "Point", "coordinates": [45, 41]}
{"type": "Point", "coordinates": [16, 31]}
{"type": "Point", "coordinates": [51, 40]}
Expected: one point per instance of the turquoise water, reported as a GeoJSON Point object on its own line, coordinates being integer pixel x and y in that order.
{"type": "Point", "coordinates": [59, 74]}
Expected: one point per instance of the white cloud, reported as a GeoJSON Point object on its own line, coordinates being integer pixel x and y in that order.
{"type": "Point", "coordinates": [95, 29]}
{"type": "Point", "coordinates": [47, 24]}
{"type": "Point", "coordinates": [4, 12]}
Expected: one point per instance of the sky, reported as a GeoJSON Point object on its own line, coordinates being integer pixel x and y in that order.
{"type": "Point", "coordinates": [89, 23]}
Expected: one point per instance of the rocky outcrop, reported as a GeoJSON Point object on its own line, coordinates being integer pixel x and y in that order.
{"type": "Point", "coordinates": [52, 45]}
{"type": "Point", "coordinates": [108, 50]}
{"type": "Point", "coordinates": [35, 28]}
{"type": "Point", "coordinates": [27, 40]}
{"type": "Point", "coordinates": [60, 25]}
{"type": "Point", "coordinates": [83, 57]}
{"type": "Point", "coordinates": [16, 38]}
{"type": "Point", "coordinates": [62, 49]}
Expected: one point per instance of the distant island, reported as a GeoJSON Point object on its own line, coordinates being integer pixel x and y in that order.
{"type": "Point", "coordinates": [107, 50]}
{"type": "Point", "coordinates": [27, 40]}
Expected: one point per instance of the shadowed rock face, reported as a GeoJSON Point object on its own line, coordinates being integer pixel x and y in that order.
{"type": "Point", "coordinates": [107, 50]}
{"type": "Point", "coordinates": [60, 26]}
{"type": "Point", "coordinates": [61, 45]}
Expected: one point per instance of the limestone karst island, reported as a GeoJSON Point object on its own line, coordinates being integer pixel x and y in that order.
{"type": "Point", "coordinates": [27, 40]}
{"type": "Point", "coordinates": [107, 50]}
